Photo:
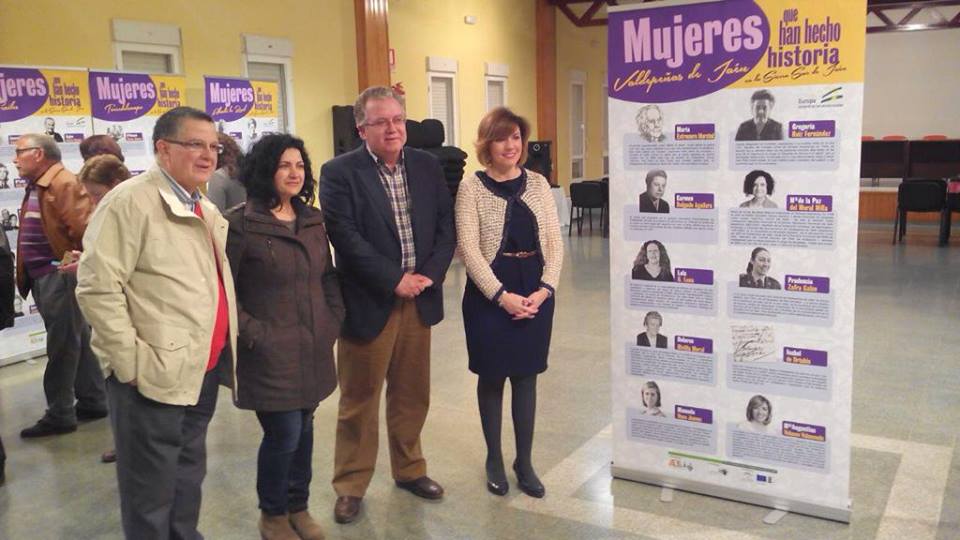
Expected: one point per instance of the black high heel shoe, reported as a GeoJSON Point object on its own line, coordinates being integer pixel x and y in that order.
{"type": "Point", "coordinates": [530, 485]}
{"type": "Point", "coordinates": [497, 481]}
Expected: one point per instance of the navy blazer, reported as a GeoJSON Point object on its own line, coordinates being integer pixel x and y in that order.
{"type": "Point", "coordinates": [362, 228]}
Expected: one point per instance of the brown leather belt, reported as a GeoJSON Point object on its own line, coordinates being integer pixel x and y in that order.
{"type": "Point", "coordinates": [519, 254]}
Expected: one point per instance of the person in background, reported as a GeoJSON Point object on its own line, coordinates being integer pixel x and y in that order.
{"type": "Point", "coordinates": [759, 186]}
{"type": "Point", "coordinates": [224, 188]}
{"type": "Point", "coordinates": [98, 145]}
{"type": "Point", "coordinates": [54, 214]}
{"type": "Point", "coordinates": [757, 269]}
{"type": "Point", "coordinates": [156, 286]}
{"type": "Point", "coordinates": [7, 313]}
{"type": "Point", "coordinates": [509, 236]}
{"type": "Point", "coordinates": [100, 174]}
{"type": "Point", "coordinates": [290, 310]}
{"type": "Point", "coordinates": [390, 218]}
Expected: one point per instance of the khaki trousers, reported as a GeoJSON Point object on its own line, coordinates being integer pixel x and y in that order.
{"type": "Point", "coordinates": [399, 356]}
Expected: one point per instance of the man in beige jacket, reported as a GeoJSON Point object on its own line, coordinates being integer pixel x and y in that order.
{"type": "Point", "coordinates": [155, 285]}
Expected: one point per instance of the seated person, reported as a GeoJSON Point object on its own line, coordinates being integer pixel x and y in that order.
{"type": "Point", "coordinates": [756, 276]}
{"type": "Point", "coordinates": [652, 200]}
{"type": "Point", "coordinates": [759, 184]}
{"type": "Point", "coordinates": [652, 321]}
{"type": "Point", "coordinates": [761, 127]}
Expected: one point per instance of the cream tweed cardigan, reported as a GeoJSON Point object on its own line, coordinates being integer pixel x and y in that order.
{"type": "Point", "coordinates": [480, 218]}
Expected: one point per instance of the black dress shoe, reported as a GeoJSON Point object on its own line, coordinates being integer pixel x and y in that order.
{"type": "Point", "coordinates": [529, 484]}
{"type": "Point", "coordinates": [498, 488]}
{"type": "Point", "coordinates": [43, 429]}
{"type": "Point", "coordinates": [90, 414]}
{"type": "Point", "coordinates": [496, 478]}
{"type": "Point", "coordinates": [346, 509]}
{"type": "Point", "coordinates": [422, 487]}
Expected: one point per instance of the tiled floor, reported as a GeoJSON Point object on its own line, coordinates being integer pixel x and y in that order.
{"type": "Point", "coordinates": [906, 406]}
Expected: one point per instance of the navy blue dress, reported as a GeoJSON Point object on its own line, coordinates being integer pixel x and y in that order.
{"type": "Point", "coordinates": [497, 345]}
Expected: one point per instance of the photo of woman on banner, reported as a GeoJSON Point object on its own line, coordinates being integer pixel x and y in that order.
{"type": "Point", "coordinates": [652, 263]}
{"type": "Point", "coordinates": [761, 127]}
{"type": "Point", "coordinates": [759, 414]}
{"type": "Point", "coordinates": [652, 200]}
{"type": "Point", "coordinates": [756, 275]}
{"type": "Point", "coordinates": [4, 177]}
{"type": "Point", "coordinates": [650, 395]}
{"type": "Point", "coordinates": [759, 186]}
{"type": "Point", "coordinates": [652, 321]}
{"type": "Point", "coordinates": [252, 136]}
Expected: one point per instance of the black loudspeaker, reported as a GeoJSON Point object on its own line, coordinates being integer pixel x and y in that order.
{"type": "Point", "coordinates": [538, 158]}
{"type": "Point", "coordinates": [345, 136]}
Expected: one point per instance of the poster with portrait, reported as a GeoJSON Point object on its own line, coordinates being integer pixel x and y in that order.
{"type": "Point", "coordinates": [52, 101]}
{"type": "Point", "coordinates": [734, 155]}
{"type": "Point", "coordinates": [245, 109]}
{"type": "Point", "coordinates": [126, 107]}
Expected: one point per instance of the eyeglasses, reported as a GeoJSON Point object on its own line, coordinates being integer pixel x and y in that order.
{"type": "Point", "coordinates": [396, 121]}
{"type": "Point", "coordinates": [19, 151]}
{"type": "Point", "coordinates": [198, 146]}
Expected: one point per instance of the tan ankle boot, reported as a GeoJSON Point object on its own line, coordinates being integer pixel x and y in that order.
{"type": "Point", "coordinates": [306, 526]}
{"type": "Point", "coordinates": [276, 528]}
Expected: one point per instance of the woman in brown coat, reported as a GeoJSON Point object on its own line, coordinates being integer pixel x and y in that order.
{"type": "Point", "coordinates": [290, 310]}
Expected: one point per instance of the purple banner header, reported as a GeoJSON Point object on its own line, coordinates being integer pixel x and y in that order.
{"type": "Point", "coordinates": [805, 357]}
{"type": "Point", "coordinates": [695, 132]}
{"type": "Point", "coordinates": [22, 92]}
{"type": "Point", "coordinates": [810, 203]}
{"type": "Point", "coordinates": [693, 344]}
{"type": "Point", "coordinates": [693, 414]}
{"type": "Point", "coordinates": [228, 99]}
{"type": "Point", "coordinates": [677, 53]}
{"type": "Point", "coordinates": [694, 201]}
{"type": "Point", "coordinates": [117, 97]}
{"type": "Point", "coordinates": [813, 129]}
{"type": "Point", "coordinates": [808, 432]}
{"type": "Point", "coordinates": [811, 284]}
{"type": "Point", "coordinates": [693, 276]}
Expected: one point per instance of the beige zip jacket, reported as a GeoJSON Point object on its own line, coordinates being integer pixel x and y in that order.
{"type": "Point", "coordinates": [147, 284]}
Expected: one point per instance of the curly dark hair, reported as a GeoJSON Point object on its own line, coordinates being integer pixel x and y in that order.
{"type": "Point", "coordinates": [260, 165]}
{"type": "Point", "coordinates": [751, 179]}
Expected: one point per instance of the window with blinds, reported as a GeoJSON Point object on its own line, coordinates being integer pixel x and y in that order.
{"type": "Point", "coordinates": [269, 71]}
{"type": "Point", "coordinates": [146, 61]}
{"type": "Point", "coordinates": [496, 93]}
{"type": "Point", "coordinates": [577, 130]}
{"type": "Point", "coordinates": [442, 106]}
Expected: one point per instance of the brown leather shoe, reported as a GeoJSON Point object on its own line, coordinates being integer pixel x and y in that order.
{"type": "Point", "coordinates": [346, 509]}
{"type": "Point", "coordinates": [305, 526]}
{"type": "Point", "coordinates": [276, 527]}
{"type": "Point", "coordinates": [422, 487]}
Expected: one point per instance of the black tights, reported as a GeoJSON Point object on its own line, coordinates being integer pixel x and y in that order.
{"type": "Point", "coordinates": [524, 408]}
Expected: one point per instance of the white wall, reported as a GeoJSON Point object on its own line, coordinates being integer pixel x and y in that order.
{"type": "Point", "coordinates": [912, 84]}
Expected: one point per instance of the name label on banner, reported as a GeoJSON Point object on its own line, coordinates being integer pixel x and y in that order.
{"type": "Point", "coordinates": [693, 276]}
{"type": "Point", "coordinates": [693, 344]}
{"type": "Point", "coordinates": [695, 132]}
{"type": "Point", "coordinates": [814, 129]}
{"type": "Point", "coordinates": [804, 357]}
{"type": "Point", "coordinates": [694, 201]}
{"type": "Point", "coordinates": [808, 284]}
{"type": "Point", "coordinates": [693, 414]}
{"type": "Point", "coordinates": [808, 432]}
{"type": "Point", "coordinates": [809, 203]}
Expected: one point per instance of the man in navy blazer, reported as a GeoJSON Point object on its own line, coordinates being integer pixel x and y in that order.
{"type": "Point", "coordinates": [389, 216]}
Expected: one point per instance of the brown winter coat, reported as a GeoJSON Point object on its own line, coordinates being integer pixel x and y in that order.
{"type": "Point", "coordinates": [289, 308]}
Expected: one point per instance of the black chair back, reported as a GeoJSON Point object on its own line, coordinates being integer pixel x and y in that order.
{"type": "Point", "coordinates": [922, 195]}
{"type": "Point", "coordinates": [587, 195]}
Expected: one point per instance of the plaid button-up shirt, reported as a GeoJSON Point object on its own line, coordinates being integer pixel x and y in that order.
{"type": "Point", "coordinates": [395, 183]}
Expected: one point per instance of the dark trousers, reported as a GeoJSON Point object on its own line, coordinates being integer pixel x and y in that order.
{"type": "Point", "coordinates": [161, 460]}
{"type": "Point", "coordinates": [284, 462]}
{"type": "Point", "coordinates": [72, 369]}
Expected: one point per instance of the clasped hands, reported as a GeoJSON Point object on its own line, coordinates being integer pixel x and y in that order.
{"type": "Point", "coordinates": [523, 307]}
{"type": "Point", "coordinates": [411, 285]}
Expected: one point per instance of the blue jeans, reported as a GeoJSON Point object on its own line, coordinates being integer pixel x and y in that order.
{"type": "Point", "coordinates": [284, 466]}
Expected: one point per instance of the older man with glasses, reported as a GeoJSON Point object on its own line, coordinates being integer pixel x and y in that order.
{"type": "Point", "coordinates": [155, 284]}
{"type": "Point", "coordinates": [53, 218]}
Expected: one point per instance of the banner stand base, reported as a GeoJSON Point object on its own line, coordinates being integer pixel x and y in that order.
{"type": "Point", "coordinates": [808, 508]}
{"type": "Point", "coordinates": [666, 494]}
{"type": "Point", "coordinates": [774, 517]}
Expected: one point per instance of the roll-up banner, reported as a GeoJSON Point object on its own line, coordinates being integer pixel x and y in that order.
{"type": "Point", "coordinates": [734, 153]}
{"type": "Point", "coordinates": [245, 109]}
{"type": "Point", "coordinates": [54, 101]}
{"type": "Point", "coordinates": [126, 107]}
